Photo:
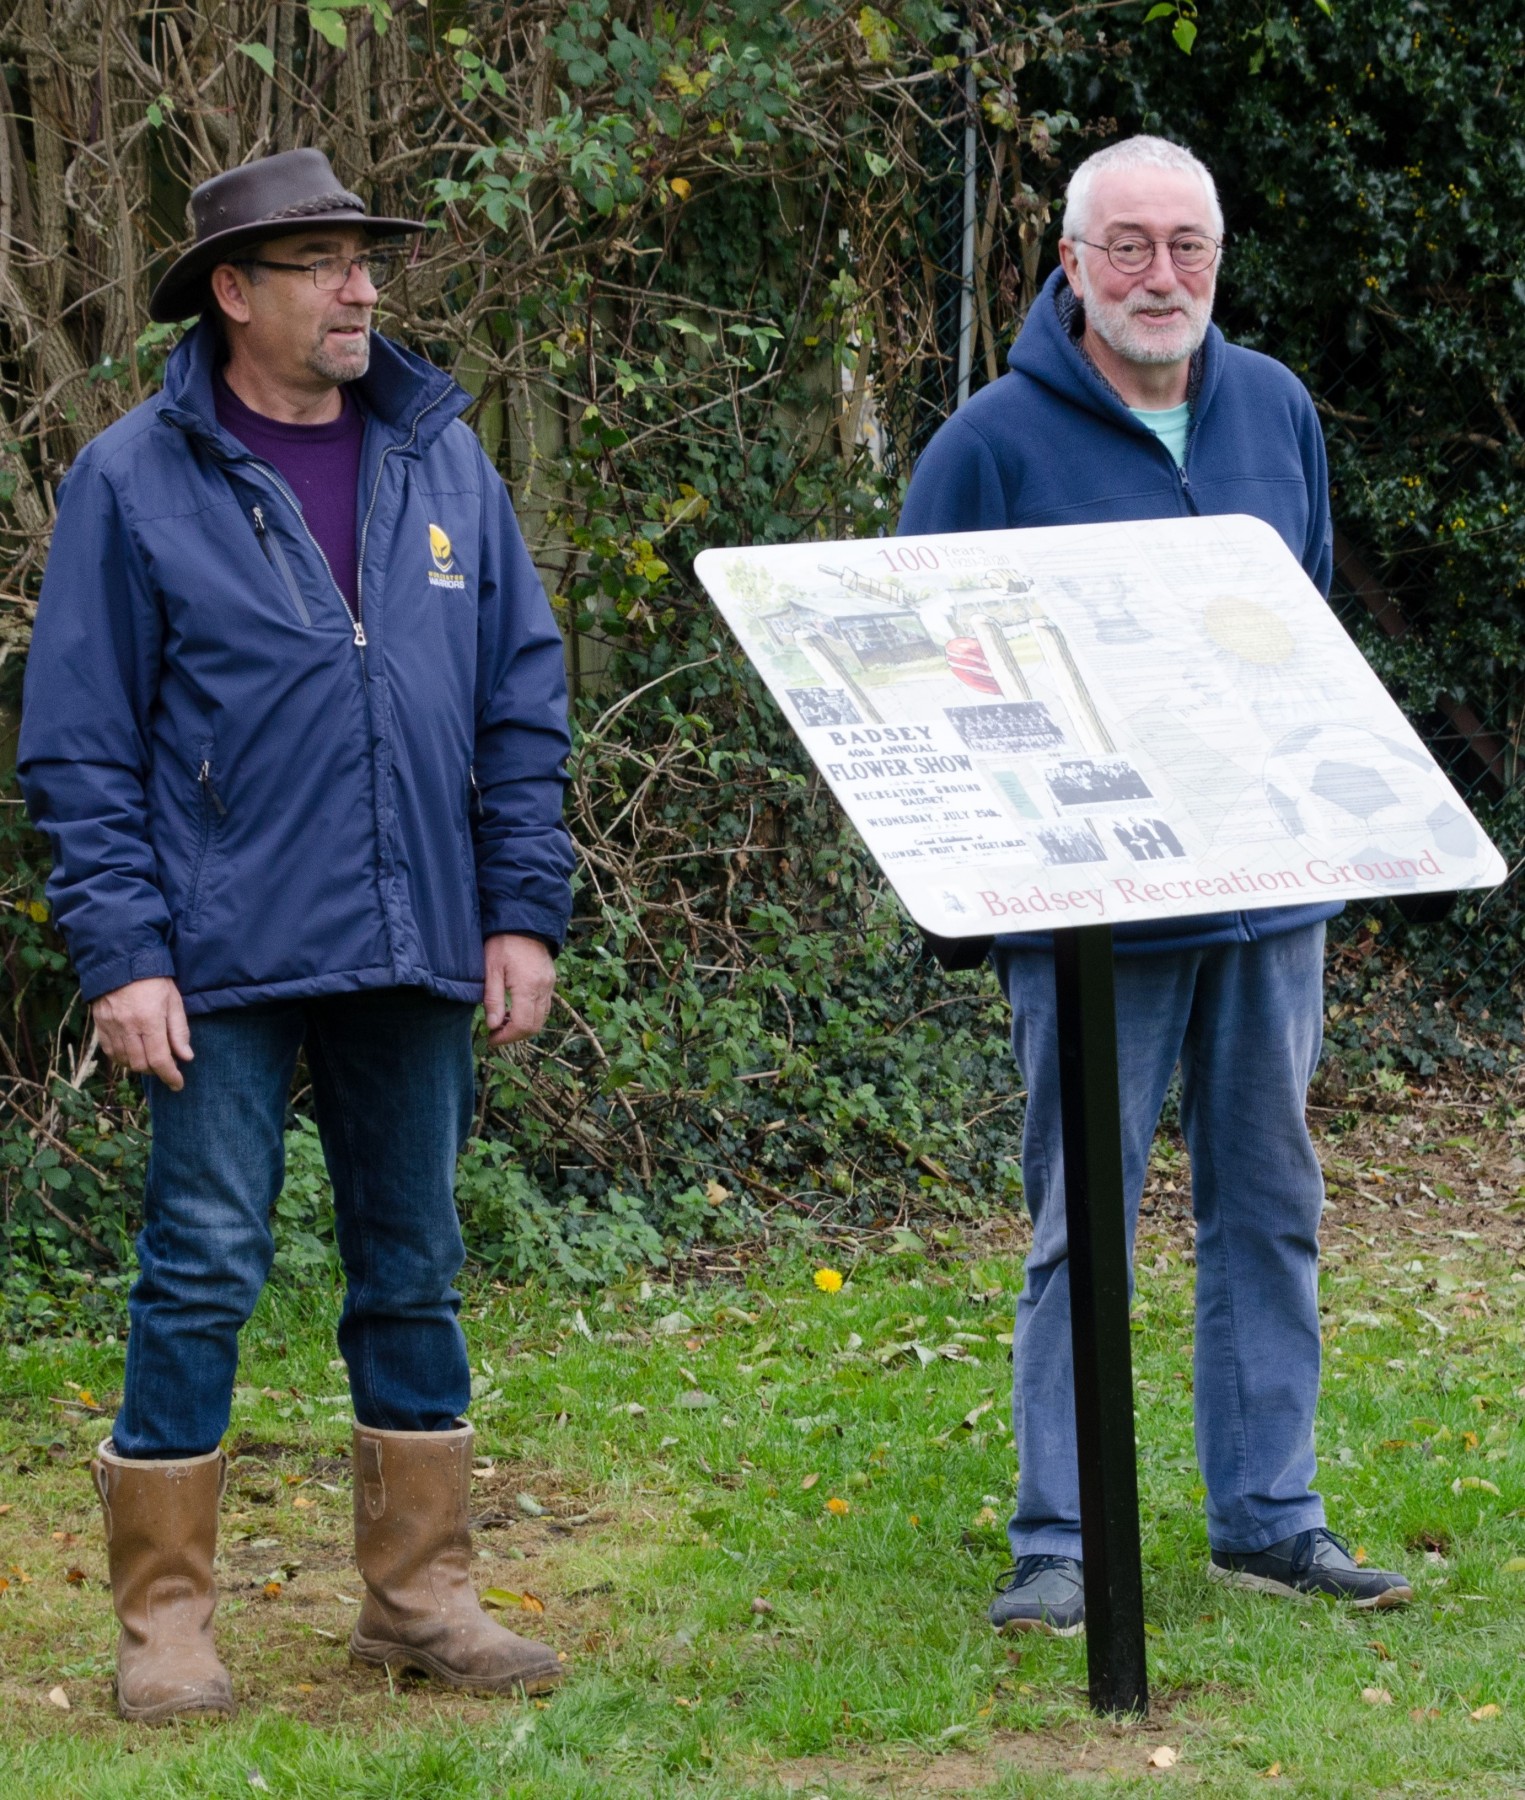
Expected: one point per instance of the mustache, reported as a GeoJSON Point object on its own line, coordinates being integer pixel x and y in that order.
{"type": "Point", "coordinates": [1182, 303]}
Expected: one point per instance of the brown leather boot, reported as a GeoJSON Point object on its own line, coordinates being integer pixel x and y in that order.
{"type": "Point", "coordinates": [161, 1536]}
{"type": "Point", "coordinates": [413, 1546]}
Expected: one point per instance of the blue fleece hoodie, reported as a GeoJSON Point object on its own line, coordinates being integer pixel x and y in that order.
{"type": "Point", "coordinates": [1052, 443]}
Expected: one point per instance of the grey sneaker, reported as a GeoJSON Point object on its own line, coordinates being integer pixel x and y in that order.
{"type": "Point", "coordinates": [1041, 1593]}
{"type": "Point", "coordinates": [1313, 1562]}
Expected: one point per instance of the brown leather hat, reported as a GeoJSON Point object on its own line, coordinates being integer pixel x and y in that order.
{"type": "Point", "coordinates": [265, 199]}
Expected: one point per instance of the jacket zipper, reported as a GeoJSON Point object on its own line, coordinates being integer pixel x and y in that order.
{"type": "Point", "coordinates": [277, 556]}
{"type": "Point", "coordinates": [365, 528]}
{"type": "Point", "coordinates": [1191, 433]}
{"type": "Point", "coordinates": [211, 801]}
{"type": "Point", "coordinates": [354, 616]}
{"type": "Point", "coordinates": [204, 776]}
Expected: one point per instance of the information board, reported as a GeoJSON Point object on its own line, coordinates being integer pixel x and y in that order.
{"type": "Point", "coordinates": [1092, 724]}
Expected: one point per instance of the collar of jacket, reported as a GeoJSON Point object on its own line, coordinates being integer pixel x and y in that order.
{"type": "Point", "coordinates": [1048, 349]}
{"type": "Point", "coordinates": [399, 391]}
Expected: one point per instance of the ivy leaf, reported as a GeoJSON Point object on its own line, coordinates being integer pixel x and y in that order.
{"type": "Point", "coordinates": [262, 56]}
{"type": "Point", "coordinates": [329, 25]}
{"type": "Point", "coordinates": [878, 34]}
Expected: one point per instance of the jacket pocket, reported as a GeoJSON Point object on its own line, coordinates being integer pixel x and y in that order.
{"type": "Point", "coordinates": [467, 840]}
{"type": "Point", "coordinates": [210, 812]}
{"type": "Point", "coordinates": [276, 556]}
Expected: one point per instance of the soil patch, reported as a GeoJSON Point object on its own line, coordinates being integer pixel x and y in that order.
{"type": "Point", "coordinates": [1081, 1751]}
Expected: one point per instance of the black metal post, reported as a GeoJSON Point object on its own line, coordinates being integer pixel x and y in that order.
{"type": "Point", "coordinates": [1098, 1255]}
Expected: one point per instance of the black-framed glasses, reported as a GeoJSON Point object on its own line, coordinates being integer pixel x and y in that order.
{"type": "Point", "coordinates": [330, 273]}
{"type": "Point", "coordinates": [1131, 254]}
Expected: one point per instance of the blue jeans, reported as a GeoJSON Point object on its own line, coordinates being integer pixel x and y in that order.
{"type": "Point", "coordinates": [1245, 1023]}
{"type": "Point", "coordinates": [392, 1082]}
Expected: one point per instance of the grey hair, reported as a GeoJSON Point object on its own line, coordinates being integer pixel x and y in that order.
{"type": "Point", "coordinates": [1140, 152]}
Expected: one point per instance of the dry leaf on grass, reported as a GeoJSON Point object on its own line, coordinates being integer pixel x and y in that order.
{"type": "Point", "coordinates": [1271, 1774]}
{"type": "Point", "coordinates": [1490, 1711]}
{"type": "Point", "coordinates": [761, 1606]}
{"type": "Point", "coordinates": [503, 1597]}
{"type": "Point", "coordinates": [1374, 1696]}
{"type": "Point", "coordinates": [1164, 1757]}
{"type": "Point", "coordinates": [272, 1590]}
{"type": "Point", "coordinates": [57, 1697]}
{"type": "Point", "coordinates": [75, 1577]}
{"type": "Point", "coordinates": [809, 1482]}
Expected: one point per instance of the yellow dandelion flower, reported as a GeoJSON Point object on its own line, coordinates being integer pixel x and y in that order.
{"type": "Point", "coordinates": [834, 1505]}
{"type": "Point", "coordinates": [829, 1281]}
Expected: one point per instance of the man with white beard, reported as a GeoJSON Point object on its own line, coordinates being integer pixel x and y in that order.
{"type": "Point", "coordinates": [1125, 402]}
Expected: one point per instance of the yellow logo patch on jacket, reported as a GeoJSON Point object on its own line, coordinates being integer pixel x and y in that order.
{"type": "Point", "coordinates": [443, 575]}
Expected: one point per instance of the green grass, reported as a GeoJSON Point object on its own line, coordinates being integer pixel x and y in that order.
{"type": "Point", "coordinates": [872, 1671]}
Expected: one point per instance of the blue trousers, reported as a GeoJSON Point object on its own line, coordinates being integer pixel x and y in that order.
{"type": "Point", "coordinates": [1244, 1022]}
{"type": "Point", "coordinates": [393, 1083]}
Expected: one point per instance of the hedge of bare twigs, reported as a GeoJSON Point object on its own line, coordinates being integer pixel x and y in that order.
{"type": "Point", "coordinates": [686, 258]}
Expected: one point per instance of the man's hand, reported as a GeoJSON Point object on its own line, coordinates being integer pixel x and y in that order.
{"type": "Point", "coordinates": [522, 966]}
{"type": "Point", "coordinates": [144, 1026]}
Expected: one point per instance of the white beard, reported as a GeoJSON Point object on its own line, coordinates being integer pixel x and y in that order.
{"type": "Point", "coordinates": [1113, 321]}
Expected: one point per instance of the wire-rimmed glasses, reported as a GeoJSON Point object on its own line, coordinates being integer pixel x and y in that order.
{"type": "Point", "coordinates": [330, 273]}
{"type": "Point", "coordinates": [1131, 254]}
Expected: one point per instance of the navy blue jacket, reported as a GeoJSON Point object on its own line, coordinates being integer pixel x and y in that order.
{"type": "Point", "coordinates": [1052, 443]}
{"type": "Point", "coordinates": [241, 793]}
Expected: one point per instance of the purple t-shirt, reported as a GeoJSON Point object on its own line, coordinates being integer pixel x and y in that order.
{"type": "Point", "coordinates": [319, 463]}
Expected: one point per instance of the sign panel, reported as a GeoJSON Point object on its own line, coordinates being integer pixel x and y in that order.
{"type": "Point", "coordinates": [1090, 724]}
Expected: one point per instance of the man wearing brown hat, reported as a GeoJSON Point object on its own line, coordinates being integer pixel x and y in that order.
{"type": "Point", "coordinates": [295, 725]}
